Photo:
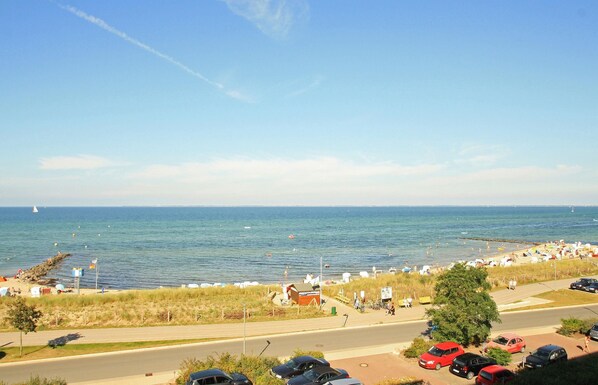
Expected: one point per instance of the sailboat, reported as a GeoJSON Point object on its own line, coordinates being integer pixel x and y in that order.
{"type": "Point", "coordinates": [34, 209]}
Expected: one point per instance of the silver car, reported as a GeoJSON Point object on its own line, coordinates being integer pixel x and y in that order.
{"type": "Point", "coordinates": [594, 332]}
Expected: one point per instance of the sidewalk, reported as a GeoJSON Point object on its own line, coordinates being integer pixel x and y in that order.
{"type": "Point", "coordinates": [505, 299]}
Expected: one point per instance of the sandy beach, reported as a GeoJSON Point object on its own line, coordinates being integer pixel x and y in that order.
{"type": "Point", "coordinates": [532, 254]}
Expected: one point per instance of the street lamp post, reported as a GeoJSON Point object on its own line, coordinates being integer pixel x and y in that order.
{"type": "Point", "coordinates": [321, 280]}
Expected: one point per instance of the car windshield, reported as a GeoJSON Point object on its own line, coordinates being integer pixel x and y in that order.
{"type": "Point", "coordinates": [500, 340]}
{"type": "Point", "coordinates": [541, 353]}
{"type": "Point", "coordinates": [435, 351]}
{"type": "Point", "coordinates": [595, 327]}
{"type": "Point", "coordinates": [291, 364]}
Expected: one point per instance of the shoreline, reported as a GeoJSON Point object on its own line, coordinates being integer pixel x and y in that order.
{"type": "Point", "coordinates": [534, 253]}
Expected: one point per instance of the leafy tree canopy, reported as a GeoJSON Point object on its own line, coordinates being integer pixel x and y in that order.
{"type": "Point", "coordinates": [22, 316]}
{"type": "Point", "coordinates": [463, 310]}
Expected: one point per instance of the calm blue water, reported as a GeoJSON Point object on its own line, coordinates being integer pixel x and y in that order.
{"type": "Point", "coordinates": [146, 247]}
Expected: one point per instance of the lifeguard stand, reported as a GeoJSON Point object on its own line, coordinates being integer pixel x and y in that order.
{"type": "Point", "coordinates": [77, 273]}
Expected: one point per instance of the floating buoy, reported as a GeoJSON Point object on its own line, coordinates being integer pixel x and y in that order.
{"type": "Point", "coordinates": [291, 236]}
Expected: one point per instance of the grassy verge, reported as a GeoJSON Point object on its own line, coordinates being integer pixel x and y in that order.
{"type": "Point", "coordinates": [560, 298]}
{"type": "Point", "coordinates": [40, 352]}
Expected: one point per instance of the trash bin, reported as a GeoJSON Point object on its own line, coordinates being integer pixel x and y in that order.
{"type": "Point", "coordinates": [333, 310]}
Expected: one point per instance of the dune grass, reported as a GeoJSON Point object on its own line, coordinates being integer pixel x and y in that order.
{"type": "Point", "coordinates": [174, 306]}
{"type": "Point", "coordinates": [184, 306]}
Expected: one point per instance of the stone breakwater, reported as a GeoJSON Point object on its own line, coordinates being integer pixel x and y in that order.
{"type": "Point", "coordinates": [38, 272]}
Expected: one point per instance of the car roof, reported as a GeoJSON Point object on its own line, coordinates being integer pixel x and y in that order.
{"type": "Point", "coordinates": [549, 347]}
{"type": "Point", "coordinates": [446, 345]}
{"type": "Point", "coordinates": [467, 356]}
{"type": "Point", "coordinates": [494, 369]}
{"type": "Point", "coordinates": [207, 373]}
{"type": "Point", "coordinates": [324, 369]}
{"type": "Point", "coordinates": [345, 381]}
{"type": "Point", "coordinates": [509, 335]}
{"type": "Point", "coordinates": [301, 359]}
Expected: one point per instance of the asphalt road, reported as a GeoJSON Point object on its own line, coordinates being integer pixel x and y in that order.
{"type": "Point", "coordinates": [110, 365]}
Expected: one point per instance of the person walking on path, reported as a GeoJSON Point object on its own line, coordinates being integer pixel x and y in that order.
{"type": "Point", "coordinates": [587, 344]}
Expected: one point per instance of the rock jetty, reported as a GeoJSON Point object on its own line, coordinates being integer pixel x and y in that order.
{"type": "Point", "coordinates": [38, 272]}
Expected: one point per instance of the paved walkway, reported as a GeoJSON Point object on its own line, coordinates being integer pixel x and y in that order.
{"type": "Point", "coordinates": [505, 299]}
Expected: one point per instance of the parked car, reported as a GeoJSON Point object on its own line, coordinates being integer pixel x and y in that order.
{"type": "Point", "coordinates": [510, 342]}
{"type": "Point", "coordinates": [318, 375]}
{"type": "Point", "coordinates": [439, 355]}
{"type": "Point", "coordinates": [545, 355]}
{"type": "Point", "coordinates": [581, 283]}
{"type": "Point", "coordinates": [594, 332]}
{"type": "Point", "coordinates": [345, 381]}
{"type": "Point", "coordinates": [494, 374]}
{"type": "Point", "coordinates": [296, 366]}
{"type": "Point", "coordinates": [592, 287]}
{"type": "Point", "coordinates": [469, 365]}
{"type": "Point", "coordinates": [217, 377]}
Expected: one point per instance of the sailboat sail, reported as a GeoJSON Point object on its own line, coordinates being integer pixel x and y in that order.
{"type": "Point", "coordinates": [35, 209]}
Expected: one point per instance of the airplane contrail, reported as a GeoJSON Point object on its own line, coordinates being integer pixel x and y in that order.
{"type": "Point", "coordinates": [107, 27]}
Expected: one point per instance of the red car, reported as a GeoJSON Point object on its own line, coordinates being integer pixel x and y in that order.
{"type": "Point", "coordinates": [494, 374]}
{"type": "Point", "coordinates": [510, 342]}
{"type": "Point", "coordinates": [440, 355]}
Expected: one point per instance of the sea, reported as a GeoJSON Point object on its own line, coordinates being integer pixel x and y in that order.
{"type": "Point", "coordinates": [149, 247]}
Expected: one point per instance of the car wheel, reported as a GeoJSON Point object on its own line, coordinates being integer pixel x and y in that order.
{"type": "Point", "coordinates": [437, 367]}
{"type": "Point", "coordinates": [522, 349]}
{"type": "Point", "coordinates": [469, 375]}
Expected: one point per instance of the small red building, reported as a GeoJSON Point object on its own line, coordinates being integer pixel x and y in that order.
{"type": "Point", "coordinates": [304, 294]}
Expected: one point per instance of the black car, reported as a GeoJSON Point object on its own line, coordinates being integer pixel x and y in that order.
{"type": "Point", "coordinates": [469, 364]}
{"type": "Point", "coordinates": [582, 283]}
{"type": "Point", "coordinates": [592, 287]}
{"type": "Point", "coordinates": [545, 355]}
{"type": "Point", "coordinates": [318, 375]}
{"type": "Point", "coordinates": [217, 377]}
{"type": "Point", "coordinates": [296, 366]}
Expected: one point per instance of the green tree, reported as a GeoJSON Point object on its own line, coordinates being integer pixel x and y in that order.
{"type": "Point", "coordinates": [23, 317]}
{"type": "Point", "coordinates": [463, 310]}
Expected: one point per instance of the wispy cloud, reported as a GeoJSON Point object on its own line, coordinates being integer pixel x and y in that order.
{"type": "Point", "coordinates": [78, 162]}
{"type": "Point", "coordinates": [105, 26]}
{"type": "Point", "coordinates": [275, 18]}
{"type": "Point", "coordinates": [315, 83]}
{"type": "Point", "coordinates": [480, 154]}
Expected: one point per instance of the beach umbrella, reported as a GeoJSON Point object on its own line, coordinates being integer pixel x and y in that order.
{"type": "Point", "coordinates": [60, 287]}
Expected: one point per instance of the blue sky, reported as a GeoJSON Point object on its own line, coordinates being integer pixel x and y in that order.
{"type": "Point", "coordinates": [298, 102]}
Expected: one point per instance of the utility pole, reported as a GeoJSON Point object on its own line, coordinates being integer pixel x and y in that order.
{"type": "Point", "coordinates": [244, 329]}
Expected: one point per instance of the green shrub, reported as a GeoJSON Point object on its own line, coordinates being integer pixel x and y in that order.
{"type": "Point", "coordinates": [501, 356]}
{"type": "Point", "coordinates": [418, 347]}
{"type": "Point", "coordinates": [572, 325]}
{"type": "Point", "coordinates": [37, 380]}
{"type": "Point", "coordinates": [255, 368]}
{"type": "Point", "coordinates": [313, 353]}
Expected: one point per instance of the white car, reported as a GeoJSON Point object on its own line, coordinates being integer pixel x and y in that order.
{"type": "Point", "coordinates": [345, 381]}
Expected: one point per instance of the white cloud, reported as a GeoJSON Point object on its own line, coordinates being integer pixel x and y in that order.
{"type": "Point", "coordinates": [274, 18]}
{"type": "Point", "coordinates": [78, 162]}
{"type": "Point", "coordinates": [481, 155]}
{"type": "Point", "coordinates": [315, 83]}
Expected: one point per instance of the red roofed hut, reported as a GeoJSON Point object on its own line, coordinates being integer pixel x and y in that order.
{"type": "Point", "coordinates": [304, 294]}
